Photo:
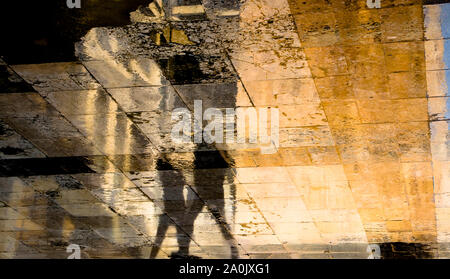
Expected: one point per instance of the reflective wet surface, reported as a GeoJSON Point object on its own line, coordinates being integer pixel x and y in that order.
{"type": "Point", "coordinates": [87, 157]}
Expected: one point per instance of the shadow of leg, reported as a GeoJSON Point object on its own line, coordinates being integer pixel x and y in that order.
{"type": "Point", "coordinates": [219, 212]}
{"type": "Point", "coordinates": [172, 183]}
{"type": "Point", "coordinates": [185, 233]}
{"type": "Point", "coordinates": [163, 225]}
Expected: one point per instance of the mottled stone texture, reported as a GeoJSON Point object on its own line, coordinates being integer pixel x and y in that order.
{"type": "Point", "coordinates": [86, 155]}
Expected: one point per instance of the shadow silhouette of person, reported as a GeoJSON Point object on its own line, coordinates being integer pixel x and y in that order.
{"type": "Point", "coordinates": [182, 63]}
{"type": "Point", "coordinates": [184, 212]}
{"type": "Point", "coordinates": [209, 167]}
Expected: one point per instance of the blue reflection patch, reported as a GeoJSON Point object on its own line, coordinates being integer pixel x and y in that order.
{"type": "Point", "coordinates": [445, 20]}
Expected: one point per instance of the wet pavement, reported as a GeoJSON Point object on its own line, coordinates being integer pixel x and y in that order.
{"type": "Point", "coordinates": [87, 157]}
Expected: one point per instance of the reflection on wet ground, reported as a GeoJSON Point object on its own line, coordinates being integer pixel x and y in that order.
{"type": "Point", "coordinates": [87, 158]}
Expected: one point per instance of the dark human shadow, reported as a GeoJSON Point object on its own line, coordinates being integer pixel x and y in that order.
{"type": "Point", "coordinates": [210, 169]}
{"type": "Point", "coordinates": [186, 212]}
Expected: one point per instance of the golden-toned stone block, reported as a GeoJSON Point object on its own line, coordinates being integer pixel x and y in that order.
{"type": "Point", "coordinates": [404, 56]}
{"type": "Point", "coordinates": [317, 29]}
{"type": "Point", "coordinates": [407, 85]}
{"type": "Point", "coordinates": [369, 215]}
{"type": "Point", "coordinates": [381, 111]}
{"type": "Point", "coordinates": [297, 156]}
{"type": "Point", "coordinates": [398, 226]}
{"type": "Point", "coordinates": [341, 113]}
{"type": "Point", "coordinates": [402, 23]}
{"type": "Point", "coordinates": [326, 61]}
{"type": "Point", "coordinates": [334, 87]}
